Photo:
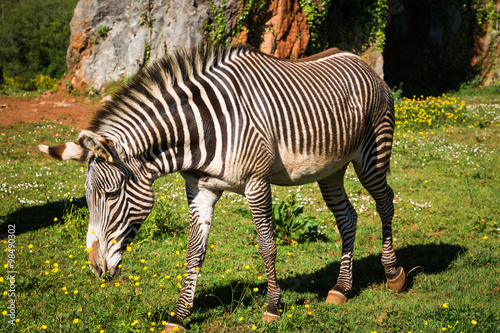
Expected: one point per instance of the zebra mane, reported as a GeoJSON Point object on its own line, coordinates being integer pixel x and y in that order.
{"type": "Point", "coordinates": [179, 67]}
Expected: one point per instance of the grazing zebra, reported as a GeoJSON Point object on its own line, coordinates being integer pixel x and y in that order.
{"type": "Point", "coordinates": [239, 120]}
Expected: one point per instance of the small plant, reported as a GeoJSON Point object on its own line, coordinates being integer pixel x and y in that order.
{"type": "Point", "coordinates": [102, 31]}
{"type": "Point", "coordinates": [162, 221]}
{"type": "Point", "coordinates": [216, 31]}
{"type": "Point", "coordinates": [291, 225]}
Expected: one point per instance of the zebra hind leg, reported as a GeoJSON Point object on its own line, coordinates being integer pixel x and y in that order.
{"type": "Point", "coordinates": [372, 173]}
{"type": "Point", "coordinates": [332, 189]}
{"type": "Point", "coordinates": [201, 207]}
{"type": "Point", "coordinates": [258, 194]}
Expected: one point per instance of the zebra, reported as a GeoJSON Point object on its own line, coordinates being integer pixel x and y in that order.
{"type": "Point", "coordinates": [235, 119]}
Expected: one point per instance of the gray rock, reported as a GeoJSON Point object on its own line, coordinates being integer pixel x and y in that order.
{"type": "Point", "coordinates": [98, 59]}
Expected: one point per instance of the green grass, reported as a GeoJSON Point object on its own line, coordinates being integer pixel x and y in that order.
{"type": "Point", "coordinates": [446, 181]}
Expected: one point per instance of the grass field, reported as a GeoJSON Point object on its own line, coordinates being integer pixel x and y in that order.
{"type": "Point", "coordinates": [445, 173]}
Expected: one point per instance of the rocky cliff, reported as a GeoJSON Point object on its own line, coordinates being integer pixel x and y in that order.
{"type": "Point", "coordinates": [419, 43]}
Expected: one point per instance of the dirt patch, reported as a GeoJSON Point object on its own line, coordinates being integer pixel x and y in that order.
{"type": "Point", "coordinates": [57, 107]}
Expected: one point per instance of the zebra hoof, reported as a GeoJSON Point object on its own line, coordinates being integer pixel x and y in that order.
{"type": "Point", "coordinates": [269, 317]}
{"type": "Point", "coordinates": [336, 297]}
{"type": "Point", "coordinates": [173, 328]}
{"type": "Point", "coordinates": [397, 283]}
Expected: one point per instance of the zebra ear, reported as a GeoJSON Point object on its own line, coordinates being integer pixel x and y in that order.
{"type": "Point", "coordinates": [99, 145]}
{"type": "Point", "coordinates": [65, 151]}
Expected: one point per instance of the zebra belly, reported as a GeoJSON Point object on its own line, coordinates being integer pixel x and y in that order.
{"type": "Point", "coordinates": [297, 169]}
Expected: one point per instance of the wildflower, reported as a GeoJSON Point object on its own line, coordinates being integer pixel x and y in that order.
{"type": "Point", "coordinates": [129, 248]}
{"type": "Point", "coordinates": [44, 327]}
{"type": "Point", "coordinates": [254, 328]}
{"type": "Point", "coordinates": [485, 237]}
{"type": "Point", "coordinates": [55, 219]}
{"type": "Point", "coordinates": [114, 241]}
{"type": "Point", "coordinates": [445, 305]}
{"type": "Point", "coordinates": [473, 322]}
{"type": "Point", "coordinates": [259, 277]}
{"type": "Point", "coordinates": [306, 306]}
{"type": "Point", "coordinates": [247, 267]}
{"type": "Point", "coordinates": [75, 292]}
{"type": "Point", "coordinates": [117, 284]}
{"type": "Point", "coordinates": [142, 261]}
{"type": "Point", "coordinates": [240, 319]}
{"type": "Point", "coordinates": [103, 285]}
{"type": "Point", "coordinates": [30, 246]}
{"type": "Point", "coordinates": [76, 320]}
{"type": "Point", "coordinates": [4, 312]}
{"type": "Point", "coordinates": [309, 313]}
{"type": "Point", "coordinates": [255, 289]}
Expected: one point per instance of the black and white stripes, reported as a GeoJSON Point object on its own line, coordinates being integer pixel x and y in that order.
{"type": "Point", "coordinates": [240, 120]}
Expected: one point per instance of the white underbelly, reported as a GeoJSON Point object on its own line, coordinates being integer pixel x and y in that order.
{"type": "Point", "coordinates": [298, 169]}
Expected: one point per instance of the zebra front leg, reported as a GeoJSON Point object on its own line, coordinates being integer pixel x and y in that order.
{"type": "Point", "coordinates": [201, 207]}
{"type": "Point", "coordinates": [332, 189]}
{"type": "Point", "coordinates": [259, 199]}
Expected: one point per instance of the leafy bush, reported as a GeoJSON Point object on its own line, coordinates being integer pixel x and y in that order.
{"type": "Point", "coordinates": [34, 37]}
{"type": "Point", "coordinates": [162, 221]}
{"type": "Point", "coordinates": [291, 225]}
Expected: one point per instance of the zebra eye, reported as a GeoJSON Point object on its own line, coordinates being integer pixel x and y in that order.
{"type": "Point", "coordinates": [112, 194]}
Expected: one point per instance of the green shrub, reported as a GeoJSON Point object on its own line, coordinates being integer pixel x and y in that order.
{"type": "Point", "coordinates": [162, 221]}
{"type": "Point", "coordinates": [291, 225]}
{"type": "Point", "coordinates": [34, 37]}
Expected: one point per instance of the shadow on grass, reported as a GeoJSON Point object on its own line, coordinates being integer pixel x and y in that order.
{"type": "Point", "coordinates": [367, 271]}
{"type": "Point", "coordinates": [37, 217]}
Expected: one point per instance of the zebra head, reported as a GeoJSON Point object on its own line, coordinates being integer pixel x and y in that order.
{"type": "Point", "coordinates": [119, 196]}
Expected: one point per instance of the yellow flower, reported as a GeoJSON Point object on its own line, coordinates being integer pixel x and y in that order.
{"type": "Point", "coordinates": [309, 313]}
{"type": "Point", "coordinates": [129, 248]}
{"type": "Point", "coordinates": [485, 237]}
{"type": "Point", "coordinates": [254, 328]}
{"type": "Point", "coordinates": [142, 261]}
{"type": "Point", "coordinates": [76, 320]}
{"type": "Point", "coordinates": [75, 292]}
{"type": "Point", "coordinates": [240, 319]}
{"type": "Point", "coordinates": [473, 322]}
{"type": "Point", "coordinates": [255, 289]}
{"type": "Point", "coordinates": [103, 285]}
{"type": "Point", "coordinates": [247, 267]}
{"type": "Point", "coordinates": [117, 284]}
{"type": "Point", "coordinates": [44, 327]}
{"type": "Point", "coordinates": [64, 288]}
{"type": "Point", "coordinates": [306, 306]}
{"type": "Point", "coordinates": [30, 247]}
{"type": "Point", "coordinates": [445, 305]}
{"type": "Point", "coordinates": [4, 312]}
{"type": "Point", "coordinates": [55, 219]}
